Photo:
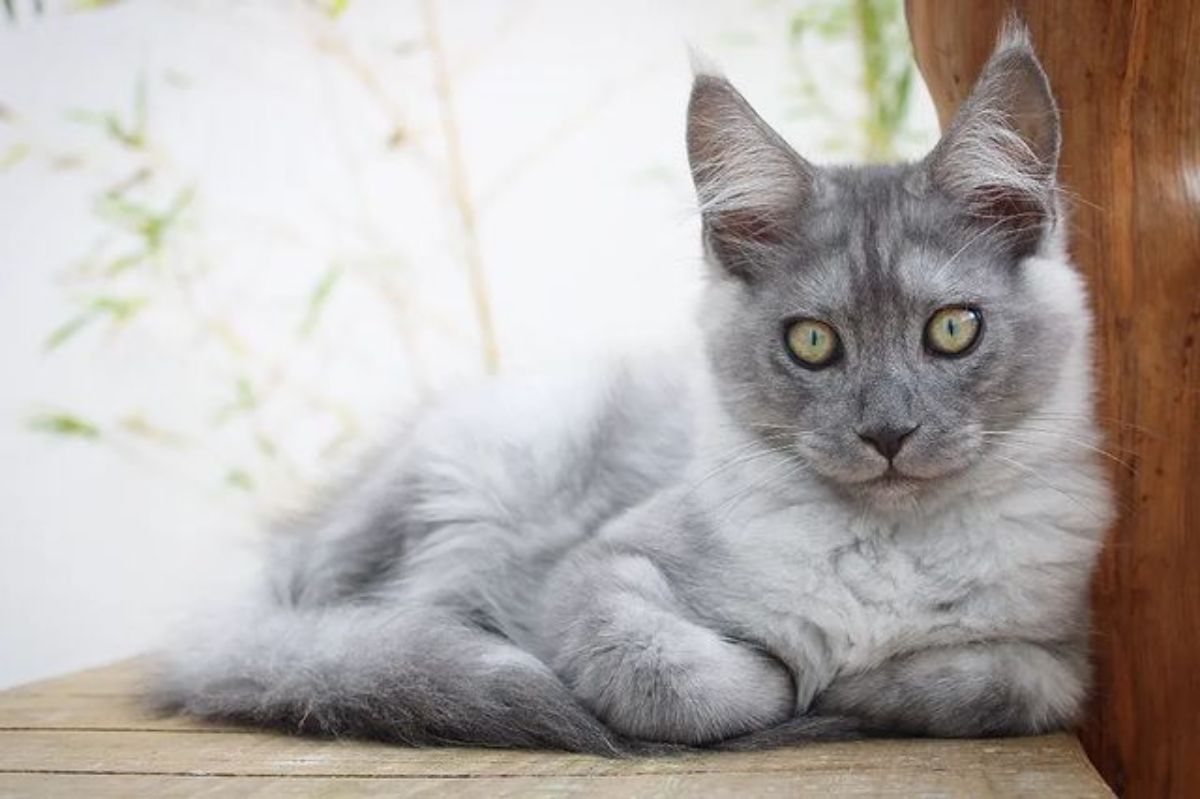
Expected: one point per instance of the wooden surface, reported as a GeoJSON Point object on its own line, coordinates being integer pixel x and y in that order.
{"type": "Point", "coordinates": [1127, 77]}
{"type": "Point", "coordinates": [83, 736]}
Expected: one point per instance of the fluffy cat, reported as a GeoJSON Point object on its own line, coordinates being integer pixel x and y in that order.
{"type": "Point", "coordinates": [869, 502]}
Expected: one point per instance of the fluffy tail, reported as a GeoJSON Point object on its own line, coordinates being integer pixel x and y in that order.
{"type": "Point", "coordinates": [799, 730]}
{"type": "Point", "coordinates": [362, 671]}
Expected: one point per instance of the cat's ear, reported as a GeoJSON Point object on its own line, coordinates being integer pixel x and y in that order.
{"type": "Point", "coordinates": [751, 185]}
{"type": "Point", "coordinates": [1000, 154]}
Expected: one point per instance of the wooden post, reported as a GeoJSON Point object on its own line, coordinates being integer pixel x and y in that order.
{"type": "Point", "coordinates": [1127, 77]}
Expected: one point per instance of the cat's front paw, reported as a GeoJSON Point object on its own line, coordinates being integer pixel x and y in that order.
{"type": "Point", "coordinates": [688, 686]}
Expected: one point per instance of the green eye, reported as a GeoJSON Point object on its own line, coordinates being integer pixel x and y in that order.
{"type": "Point", "coordinates": [814, 344]}
{"type": "Point", "coordinates": [953, 329]}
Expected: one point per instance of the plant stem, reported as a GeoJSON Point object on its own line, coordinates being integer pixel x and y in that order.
{"type": "Point", "coordinates": [871, 46]}
{"type": "Point", "coordinates": [461, 191]}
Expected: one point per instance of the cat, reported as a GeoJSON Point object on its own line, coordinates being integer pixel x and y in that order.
{"type": "Point", "coordinates": [865, 499]}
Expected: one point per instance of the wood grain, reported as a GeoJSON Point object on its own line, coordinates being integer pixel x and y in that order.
{"type": "Point", "coordinates": [736, 786]}
{"type": "Point", "coordinates": [83, 736]}
{"type": "Point", "coordinates": [1127, 76]}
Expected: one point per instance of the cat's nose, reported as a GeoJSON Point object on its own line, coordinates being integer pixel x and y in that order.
{"type": "Point", "coordinates": [887, 439]}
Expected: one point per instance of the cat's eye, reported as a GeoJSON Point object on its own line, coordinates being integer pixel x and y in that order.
{"type": "Point", "coordinates": [953, 330]}
{"type": "Point", "coordinates": [813, 344]}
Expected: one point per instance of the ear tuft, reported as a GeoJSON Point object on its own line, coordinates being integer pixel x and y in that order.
{"type": "Point", "coordinates": [1000, 154]}
{"type": "Point", "coordinates": [749, 182]}
{"type": "Point", "coordinates": [703, 65]}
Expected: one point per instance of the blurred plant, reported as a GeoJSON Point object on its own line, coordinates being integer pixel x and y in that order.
{"type": "Point", "coordinates": [334, 8]}
{"type": "Point", "coordinates": [880, 34]}
{"type": "Point", "coordinates": [317, 299]}
{"type": "Point", "coordinates": [13, 155]}
{"type": "Point", "coordinates": [149, 256]}
{"type": "Point", "coordinates": [37, 6]}
{"type": "Point", "coordinates": [463, 201]}
{"type": "Point", "coordinates": [10, 8]}
{"type": "Point", "coordinates": [140, 229]}
{"type": "Point", "coordinates": [131, 132]}
{"type": "Point", "coordinates": [92, 5]}
{"type": "Point", "coordinates": [120, 310]}
{"type": "Point", "coordinates": [61, 423]}
{"type": "Point", "coordinates": [887, 69]}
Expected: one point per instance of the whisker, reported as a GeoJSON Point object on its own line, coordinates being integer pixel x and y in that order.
{"type": "Point", "coordinates": [784, 470]}
{"type": "Point", "coordinates": [738, 456]}
{"type": "Point", "coordinates": [1032, 433]}
{"type": "Point", "coordinates": [1045, 483]}
{"type": "Point", "coordinates": [971, 241]}
{"type": "Point", "coordinates": [1055, 416]}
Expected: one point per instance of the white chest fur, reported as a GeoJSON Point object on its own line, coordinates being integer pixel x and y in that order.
{"type": "Point", "coordinates": [841, 591]}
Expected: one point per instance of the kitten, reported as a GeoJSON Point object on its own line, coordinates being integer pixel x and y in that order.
{"type": "Point", "coordinates": [869, 501]}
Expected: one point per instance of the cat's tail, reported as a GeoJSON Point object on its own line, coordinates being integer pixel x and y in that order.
{"type": "Point", "coordinates": [801, 730]}
{"type": "Point", "coordinates": [425, 678]}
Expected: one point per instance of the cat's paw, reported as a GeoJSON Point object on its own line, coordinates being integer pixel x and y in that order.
{"type": "Point", "coordinates": [686, 684]}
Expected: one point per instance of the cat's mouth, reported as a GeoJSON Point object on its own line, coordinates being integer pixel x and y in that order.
{"type": "Point", "coordinates": [893, 482]}
{"type": "Point", "coordinates": [894, 477]}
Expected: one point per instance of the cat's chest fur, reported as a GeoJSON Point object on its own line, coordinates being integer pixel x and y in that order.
{"type": "Point", "coordinates": [849, 590]}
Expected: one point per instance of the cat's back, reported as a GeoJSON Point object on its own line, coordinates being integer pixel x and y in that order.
{"type": "Point", "coordinates": [576, 441]}
{"type": "Point", "coordinates": [502, 474]}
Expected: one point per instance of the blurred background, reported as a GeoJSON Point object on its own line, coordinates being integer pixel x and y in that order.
{"type": "Point", "coordinates": [239, 239]}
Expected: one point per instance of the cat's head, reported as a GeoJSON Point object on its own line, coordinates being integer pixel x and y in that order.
{"type": "Point", "coordinates": [883, 321]}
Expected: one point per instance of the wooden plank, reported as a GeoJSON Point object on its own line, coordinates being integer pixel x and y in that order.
{"type": "Point", "coordinates": [261, 754]}
{"type": "Point", "coordinates": [1127, 78]}
{"type": "Point", "coordinates": [738, 786]}
{"type": "Point", "coordinates": [84, 735]}
{"type": "Point", "coordinates": [104, 698]}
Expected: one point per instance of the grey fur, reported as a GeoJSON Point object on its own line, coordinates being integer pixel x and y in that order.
{"type": "Point", "coordinates": [702, 548]}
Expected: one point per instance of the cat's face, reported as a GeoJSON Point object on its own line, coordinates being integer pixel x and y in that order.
{"type": "Point", "coordinates": [877, 268]}
{"type": "Point", "coordinates": [881, 322]}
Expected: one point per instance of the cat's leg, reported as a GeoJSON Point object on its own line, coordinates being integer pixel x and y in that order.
{"type": "Point", "coordinates": [1001, 688]}
{"type": "Point", "coordinates": [624, 645]}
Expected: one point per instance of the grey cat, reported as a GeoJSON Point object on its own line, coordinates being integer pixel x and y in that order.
{"type": "Point", "coordinates": [868, 500]}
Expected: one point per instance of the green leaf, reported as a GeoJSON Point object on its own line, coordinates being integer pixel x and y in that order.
{"type": "Point", "coordinates": [318, 297]}
{"type": "Point", "coordinates": [796, 28]}
{"type": "Point", "coordinates": [266, 445]}
{"type": "Point", "coordinates": [131, 134]}
{"type": "Point", "coordinates": [239, 478]}
{"type": "Point", "coordinates": [119, 309]}
{"type": "Point", "coordinates": [124, 262]}
{"type": "Point", "coordinates": [136, 424]}
{"type": "Point", "coordinates": [150, 225]}
{"type": "Point", "coordinates": [245, 400]}
{"type": "Point", "coordinates": [67, 330]}
{"type": "Point", "coordinates": [92, 5]}
{"type": "Point", "coordinates": [155, 226]}
{"type": "Point", "coordinates": [15, 154]}
{"type": "Point", "coordinates": [246, 396]}
{"type": "Point", "coordinates": [64, 424]}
